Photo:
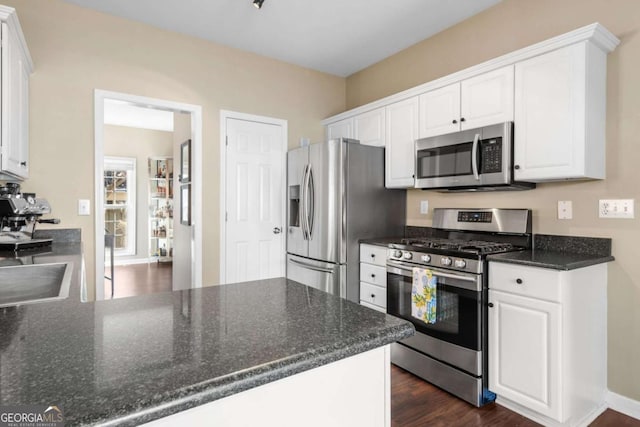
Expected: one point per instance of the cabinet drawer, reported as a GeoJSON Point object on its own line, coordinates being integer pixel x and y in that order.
{"type": "Point", "coordinates": [373, 306]}
{"type": "Point", "coordinates": [373, 274]}
{"type": "Point", "coordinates": [373, 254]}
{"type": "Point", "coordinates": [373, 294]}
{"type": "Point", "coordinates": [527, 281]}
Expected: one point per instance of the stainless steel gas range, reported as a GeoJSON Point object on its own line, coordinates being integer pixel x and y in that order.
{"type": "Point", "coordinates": [439, 283]}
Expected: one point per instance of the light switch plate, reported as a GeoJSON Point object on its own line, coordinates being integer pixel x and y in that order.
{"type": "Point", "coordinates": [84, 207]}
{"type": "Point", "coordinates": [424, 207]}
{"type": "Point", "coordinates": [616, 208]}
{"type": "Point", "coordinates": [565, 209]}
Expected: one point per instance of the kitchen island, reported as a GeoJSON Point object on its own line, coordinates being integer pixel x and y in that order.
{"type": "Point", "coordinates": [135, 360]}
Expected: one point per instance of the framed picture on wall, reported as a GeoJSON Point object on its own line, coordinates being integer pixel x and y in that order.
{"type": "Point", "coordinates": [185, 161]}
{"type": "Point", "coordinates": [185, 204]}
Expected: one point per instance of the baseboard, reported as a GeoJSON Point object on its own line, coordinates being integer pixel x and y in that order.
{"type": "Point", "coordinates": [623, 404]}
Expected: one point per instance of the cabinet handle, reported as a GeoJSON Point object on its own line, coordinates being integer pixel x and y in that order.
{"type": "Point", "coordinates": [373, 255]}
{"type": "Point", "coordinates": [462, 119]}
{"type": "Point", "coordinates": [516, 167]}
{"type": "Point", "coordinates": [23, 163]}
{"type": "Point", "coordinates": [454, 121]}
{"type": "Point", "coordinates": [373, 296]}
{"type": "Point", "coordinates": [373, 276]}
{"type": "Point", "coordinates": [490, 305]}
{"type": "Point", "coordinates": [519, 281]}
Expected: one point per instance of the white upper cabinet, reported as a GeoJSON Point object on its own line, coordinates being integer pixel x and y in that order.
{"type": "Point", "coordinates": [554, 92]}
{"type": "Point", "coordinates": [16, 66]}
{"type": "Point", "coordinates": [487, 99]}
{"type": "Point", "coordinates": [340, 129]}
{"type": "Point", "coordinates": [560, 115]}
{"type": "Point", "coordinates": [440, 111]}
{"type": "Point", "coordinates": [478, 101]}
{"type": "Point", "coordinates": [368, 128]}
{"type": "Point", "coordinates": [402, 131]}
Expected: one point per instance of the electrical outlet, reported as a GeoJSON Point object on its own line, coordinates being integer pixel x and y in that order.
{"type": "Point", "coordinates": [616, 208]}
{"type": "Point", "coordinates": [424, 207]}
{"type": "Point", "coordinates": [565, 209]}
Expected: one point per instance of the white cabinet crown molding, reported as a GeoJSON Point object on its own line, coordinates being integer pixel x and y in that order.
{"type": "Point", "coordinates": [595, 33]}
{"type": "Point", "coordinates": [9, 15]}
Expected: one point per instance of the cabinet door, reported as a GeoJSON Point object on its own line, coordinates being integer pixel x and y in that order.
{"type": "Point", "coordinates": [15, 106]}
{"type": "Point", "coordinates": [340, 129]}
{"type": "Point", "coordinates": [525, 352]}
{"type": "Point", "coordinates": [487, 99]}
{"type": "Point", "coordinates": [440, 111]}
{"type": "Point", "coordinates": [369, 128]}
{"type": "Point", "coordinates": [550, 116]}
{"type": "Point", "coordinates": [402, 131]}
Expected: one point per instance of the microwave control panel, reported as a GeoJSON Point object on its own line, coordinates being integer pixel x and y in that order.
{"type": "Point", "coordinates": [491, 155]}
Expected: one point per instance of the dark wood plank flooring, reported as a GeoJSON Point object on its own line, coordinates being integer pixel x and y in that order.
{"type": "Point", "coordinates": [139, 279]}
{"type": "Point", "coordinates": [416, 403]}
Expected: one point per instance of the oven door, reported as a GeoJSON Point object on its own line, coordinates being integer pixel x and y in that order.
{"type": "Point", "coordinates": [458, 300]}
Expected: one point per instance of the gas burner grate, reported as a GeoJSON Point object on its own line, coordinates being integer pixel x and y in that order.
{"type": "Point", "coordinates": [468, 246]}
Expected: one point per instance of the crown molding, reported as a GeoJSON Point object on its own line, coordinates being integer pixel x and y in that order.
{"type": "Point", "coordinates": [594, 33]}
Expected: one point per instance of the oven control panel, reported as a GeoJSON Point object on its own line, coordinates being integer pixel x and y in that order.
{"type": "Point", "coordinates": [475, 216]}
{"type": "Point", "coordinates": [421, 259]}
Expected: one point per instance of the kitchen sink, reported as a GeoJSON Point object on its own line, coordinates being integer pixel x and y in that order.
{"type": "Point", "coordinates": [26, 284]}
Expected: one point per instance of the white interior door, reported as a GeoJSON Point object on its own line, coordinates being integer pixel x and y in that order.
{"type": "Point", "coordinates": [255, 181]}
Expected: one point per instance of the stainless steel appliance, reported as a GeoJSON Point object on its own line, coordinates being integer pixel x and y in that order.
{"type": "Point", "coordinates": [19, 213]}
{"type": "Point", "coordinates": [336, 196]}
{"type": "Point", "coordinates": [472, 160]}
{"type": "Point", "coordinates": [450, 349]}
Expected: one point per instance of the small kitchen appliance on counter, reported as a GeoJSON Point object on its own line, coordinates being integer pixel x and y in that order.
{"type": "Point", "coordinates": [19, 213]}
{"type": "Point", "coordinates": [440, 284]}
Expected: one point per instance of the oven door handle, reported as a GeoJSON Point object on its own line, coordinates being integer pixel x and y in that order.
{"type": "Point", "coordinates": [474, 157]}
{"type": "Point", "coordinates": [409, 273]}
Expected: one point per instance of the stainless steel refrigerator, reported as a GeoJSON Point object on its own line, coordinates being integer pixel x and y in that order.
{"type": "Point", "coordinates": [336, 196]}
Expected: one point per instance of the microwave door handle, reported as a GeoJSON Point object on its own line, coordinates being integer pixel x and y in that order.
{"type": "Point", "coordinates": [474, 157]}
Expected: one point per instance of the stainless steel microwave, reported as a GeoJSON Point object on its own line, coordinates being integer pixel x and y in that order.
{"type": "Point", "coordinates": [471, 160]}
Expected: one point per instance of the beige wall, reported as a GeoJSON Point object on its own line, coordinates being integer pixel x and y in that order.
{"type": "Point", "coordinates": [511, 25]}
{"type": "Point", "coordinates": [122, 141]}
{"type": "Point", "coordinates": [77, 50]}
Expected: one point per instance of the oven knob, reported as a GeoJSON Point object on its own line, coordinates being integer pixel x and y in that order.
{"type": "Point", "coordinates": [397, 254]}
{"type": "Point", "coordinates": [407, 255]}
{"type": "Point", "coordinates": [460, 263]}
{"type": "Point", "coordinates": [445, 261]}
{"type": "Point", "coordinates": [425, 258]}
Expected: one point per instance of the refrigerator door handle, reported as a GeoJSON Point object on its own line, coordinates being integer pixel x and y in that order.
{"type": "Point", "coordinates": [312, 267]}
{"type": "Point", "coordinates": [312, 197]}
{"type": "Point", "coordinates": [303, 204]}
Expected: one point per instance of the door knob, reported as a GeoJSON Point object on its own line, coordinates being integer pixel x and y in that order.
{"type": "Point", "coordinates": [276, 230]}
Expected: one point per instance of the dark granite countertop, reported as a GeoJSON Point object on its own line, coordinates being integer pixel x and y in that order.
{"type": "Point", "coordinates": [555, 260]}
{"type": "Point", "coordinates": [132, 360]}
{"type": "Point", "coordinates": [560, 252]}
{"type": "Point", "coordinates": [381, 241]}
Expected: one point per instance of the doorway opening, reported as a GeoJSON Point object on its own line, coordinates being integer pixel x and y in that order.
{"type": "Point", "coordinates": [146, 246]}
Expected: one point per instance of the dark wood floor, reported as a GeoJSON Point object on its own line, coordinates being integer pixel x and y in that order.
{"type": "Point", "coordinates": [416, 403]}
{"type": "Point", "coordinates": [139, 279]}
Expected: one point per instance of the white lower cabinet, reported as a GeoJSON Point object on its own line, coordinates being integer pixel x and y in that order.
{"type": "Point", "coordinates": [547, 342]}
{"type": "Point", "coordinates": [373, 277]}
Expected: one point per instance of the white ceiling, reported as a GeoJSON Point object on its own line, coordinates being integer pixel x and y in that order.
{"type": "Point", "coordinates": [335, 36]}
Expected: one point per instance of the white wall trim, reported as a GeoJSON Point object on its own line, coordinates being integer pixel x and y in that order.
{"type": "Point", "coordinates": [196, 189]}
{"type": "Point", "coordinates": [224, 115]}
{"type": "Point", "coordinates": [623, 404]}
{"type": "Point", "coordinates": [595, 32]}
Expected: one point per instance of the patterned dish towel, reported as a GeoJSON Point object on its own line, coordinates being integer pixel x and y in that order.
{"type": "Point", "coordinates": [423, 295]}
